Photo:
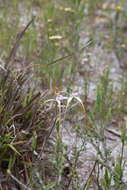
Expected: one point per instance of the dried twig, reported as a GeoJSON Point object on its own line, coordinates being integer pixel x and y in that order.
{"type": "Point", "coordinates": [85, 185]}
{"type": "Point", "coordinates": [46, 137]}
{"type": "Point", "coordinates": [16, 45]}
{"type": "Point", "coordinates": [19, 182]}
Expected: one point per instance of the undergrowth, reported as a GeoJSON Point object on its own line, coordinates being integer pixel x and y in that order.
{"type": "Point", "coordinates": [47, 130]}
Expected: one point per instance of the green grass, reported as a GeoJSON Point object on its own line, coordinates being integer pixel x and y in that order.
{"type": "Point", "coordinates": [38, 100]}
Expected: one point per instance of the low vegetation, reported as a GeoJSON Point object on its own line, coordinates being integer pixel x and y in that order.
{"type": "Point", "coordinates": [62, 113]}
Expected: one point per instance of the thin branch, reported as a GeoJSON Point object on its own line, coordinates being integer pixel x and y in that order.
{"type": "Point", "coordinates": [19, 182]}
{"type": "Point", "coordinates": [46, 137]}
{"type": "Point", "coordinates": [84, 187]}
{"type": "Point", "coordinates": [16, 45]}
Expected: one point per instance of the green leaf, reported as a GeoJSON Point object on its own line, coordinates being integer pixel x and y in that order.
{"type": "Point", "coordinates": [14, 149]}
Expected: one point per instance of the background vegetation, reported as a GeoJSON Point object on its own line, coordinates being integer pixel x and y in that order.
{"type": "Point", "coordinates": [63, 89]}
